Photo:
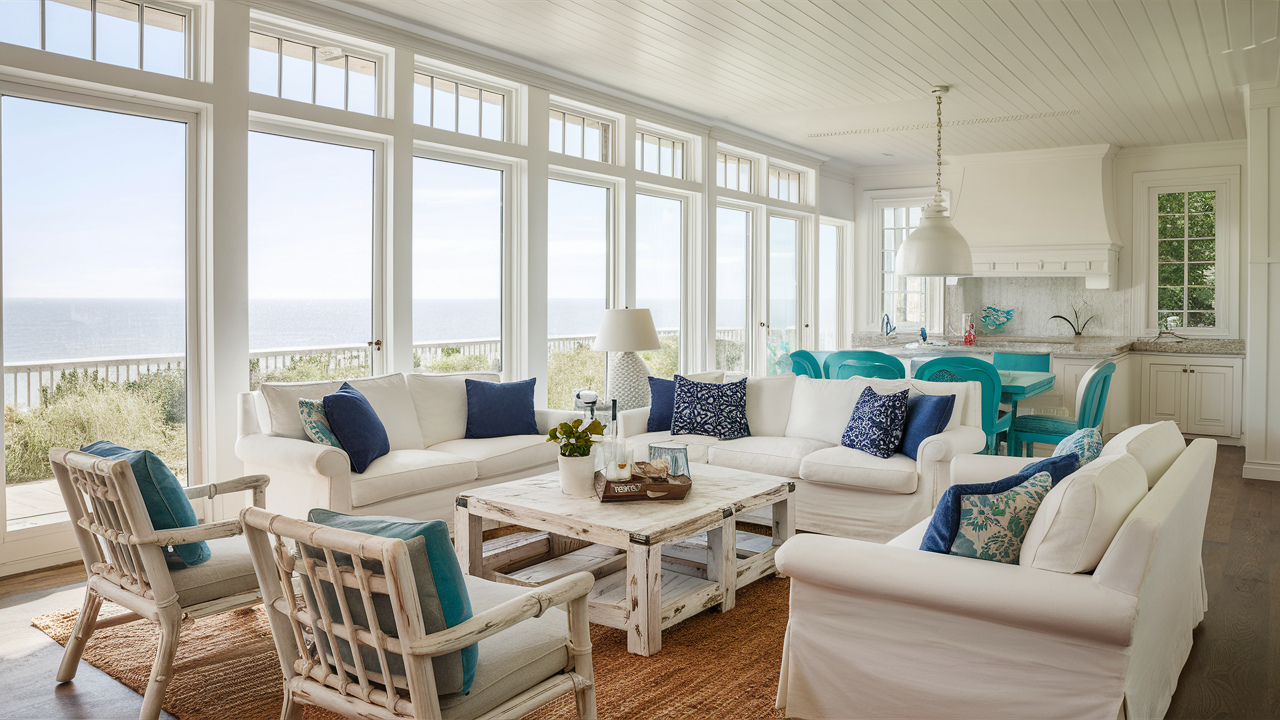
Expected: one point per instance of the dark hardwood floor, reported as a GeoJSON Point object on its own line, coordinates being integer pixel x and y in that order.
{"type": "Point", "coordinates": [1233, 670]}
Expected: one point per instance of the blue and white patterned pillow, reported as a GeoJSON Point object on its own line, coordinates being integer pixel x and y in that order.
{"type": "Point", "coordinates": [992, 526]}
{"type": "Point", "coordinates": [1086, 443]}
{"type": "Point", "coordinates": [696, 410]}
{"type": "Point", "coordinates": [315, 423]}
{"type": "Point", "coordinates": [733, 411]}
{"type": "Point", "coordinates": [877, 423]}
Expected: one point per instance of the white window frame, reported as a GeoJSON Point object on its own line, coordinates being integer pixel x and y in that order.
{"type": "Point", "coordinates": [287, 29]}
{"type": "Point", "coordinates": [510, 92]}
{"type": "Point", "coordinates": [690, 266]}
{"type": "Point", "coordinates": [754, 334]}
{"type": "Point", "coordinates": [1225, 181]}
{"type": "Point", "coordinates": [615, 124]}
{"type": "Point", "coordinates": [692, 149]}
{"type": "Point", "coordinates": [191, 33]}
{"type": "Point", "coordinates": [380, 360]}
{"type": "Point", "coordinates": [764, 275]}
{"type": "Point", "coordinates": [53, 543]}
{"type": "Point", "coordinates": [844, 235]}
{"type": "Point", "coordinates": [873, 260]}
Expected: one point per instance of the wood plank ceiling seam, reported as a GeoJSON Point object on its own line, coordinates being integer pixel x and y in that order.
{"type": "Point", "coordinates": [1160, 66]}
{"type": "Point", "coordinates": [1192, 36]}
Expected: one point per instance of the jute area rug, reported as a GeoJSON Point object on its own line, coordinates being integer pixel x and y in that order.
{"type": "Point", "coordinates": [711, 666]}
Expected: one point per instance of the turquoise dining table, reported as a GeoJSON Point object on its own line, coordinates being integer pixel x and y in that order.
{"type": "Point", "coordinates": [1017, 385]}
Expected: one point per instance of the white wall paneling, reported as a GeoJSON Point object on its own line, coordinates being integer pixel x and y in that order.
{"type": "Point", "coordinates": [1262, 364]}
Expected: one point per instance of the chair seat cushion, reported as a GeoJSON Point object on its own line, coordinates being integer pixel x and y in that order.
{"type": "Point", "coordinates": [229, 571]}
{"type": "Point", "coordinates": [779, 456]}
{"type": "Point", "coordinates": [1044, 425]}
{"type": "Point", "coordinates": [698, 444]}
{"type": "Point", "coordinates": [400, 473]}
{"type": "Point", "coordinates": [513, 660]}
{"type": "Point", "coordinates": [854, 468]}
{"type": "Point", "coordinates": [502, 455]}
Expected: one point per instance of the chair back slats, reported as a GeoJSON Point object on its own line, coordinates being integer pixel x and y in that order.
{"type": "Point", "coordinates": [341, 571]}
{"type": "Point", "coordinates": [1034, 362]}
{"type": "Point", "coordinates": [960, 369]}
{"type": "Point", "coordinates": [1091, 396]}
{"type": "Point", "coordinates": [804, 362]}
{"type": "Point", "coordinates": [858, 368]}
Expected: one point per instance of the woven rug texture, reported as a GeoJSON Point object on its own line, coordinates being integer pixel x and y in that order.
{"type": "Point", "coordinates": [710, 666]}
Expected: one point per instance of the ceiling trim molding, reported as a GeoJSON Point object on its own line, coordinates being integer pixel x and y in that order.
{"type": "Point", "coordinates": [1183, 147]}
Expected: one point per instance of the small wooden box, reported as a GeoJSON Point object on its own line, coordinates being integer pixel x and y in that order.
{"type": "Point", "coordinates": [639, 487]}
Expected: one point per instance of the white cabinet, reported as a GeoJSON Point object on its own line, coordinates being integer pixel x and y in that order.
{"type": "Point", "coordinates": [1203, 394]}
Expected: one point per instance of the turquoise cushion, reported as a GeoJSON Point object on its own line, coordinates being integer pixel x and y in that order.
{"type": "Point", "coordinates": [1087, 443]}
{"type": "Point", "coordinates": [442, 593]}
{"type": "Point", "coordinates": [167, 504]}
{"type": "Point", "coordinates": [1043, 425]}
{"type": "Point", "coordinates": [316, 424]}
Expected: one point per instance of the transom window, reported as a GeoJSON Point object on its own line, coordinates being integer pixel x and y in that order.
{"type": "Point", "coordinates": [784, 184]}
{"type": "Point", "coordinates": [905, 298]}
{"type": "Point", "coordinates": [1187, 259]}
{"type": "Point", "coordinates": [139, 35]}
{"type": "Point", "coordinates": [451, 105]}
{"type": "Point", "coordinates": [580, 136]}
{"type": "Point", "coordinates": [733, 172]}
{"type": "Point", "coordinates": [321, 75]}
{"type": "Point", "coordinates": [657, 154]}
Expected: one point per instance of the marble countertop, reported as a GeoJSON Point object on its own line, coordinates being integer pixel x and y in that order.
{"type": "Point", "coordinates": [1063, 346]}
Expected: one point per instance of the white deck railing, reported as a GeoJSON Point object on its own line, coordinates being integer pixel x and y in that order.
{"type": "Point", "coordinates": [23, 381]}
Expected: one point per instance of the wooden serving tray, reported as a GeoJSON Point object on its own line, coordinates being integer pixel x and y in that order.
{"type": "Point", "coordinates": [639, 487]}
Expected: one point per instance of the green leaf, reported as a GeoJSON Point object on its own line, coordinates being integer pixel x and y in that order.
{"type": "Point", "coordinates": [1170, 298]}
{"type": "Point", "coordinates": [1200, 298]}
{"type": "Point", "coordinates": [1170, 202]}
{"type": "Point", "coordinates": [1202, 319]}
{"type": "Point", "coordinates": [1202, 250]}
{"type": "Point", "coordinates": [1171, 275]}
{"type": "Point", "coordinates": [1201, 202]}
{"type": "Point", "coordinates": [1201, 274]}
{"type": "Point", "coordinates": [1201, 226]}
{"type": "Point", "coordinates": [1171, 251]}
{"type": "Point", "coordinates": [1172, 226]}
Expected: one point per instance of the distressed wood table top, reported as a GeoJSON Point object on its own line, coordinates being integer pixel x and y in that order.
{"type": "Point", "coordinates": [715, 490]}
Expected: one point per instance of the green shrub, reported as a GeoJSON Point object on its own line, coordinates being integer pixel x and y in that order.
{"type": "Point", "coordinates": [454, 361]}
{"type": "Point", "coordinates": [570, 370]}
{"type": "Point", "coordinates": [665, 362]}
{"type": "Point", "coordinates": [308, 368]}
{"type": "Point", "coordinates": [729, 354]}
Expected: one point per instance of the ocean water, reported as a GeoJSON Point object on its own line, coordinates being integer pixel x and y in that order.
{"type": "Point", "coordinates": [40, 330]}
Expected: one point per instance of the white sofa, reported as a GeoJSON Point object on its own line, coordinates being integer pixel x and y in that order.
{"type": "Point", "coordinates": [796, 424]}
{"type": "Point", "coordinates": [430, 460]}
{"type": "Point", "coordinates": [893, 631]}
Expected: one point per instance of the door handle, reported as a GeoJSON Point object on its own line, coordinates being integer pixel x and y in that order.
{"type": "Point", "coordinates": [1192, 370]}
{"type": "Point", "coordinates": [761, 324]}
{"type": "Point", "coordinates": [1184, 369]}
{"type": "Point", "coordinates": [375, 344]}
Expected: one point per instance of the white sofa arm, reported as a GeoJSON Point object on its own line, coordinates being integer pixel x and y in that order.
{"type": "Point", "coordinates": [972, 469]}
{"type": "Point", "coordinates": [959, 440]}
{"type": "Point", "coordinates": [292, 455]}
{"type": "Point", "coordinates": [1009, 595]}
{"type": "Point", "coordinates": [548, 419]}
{"type": "Point", "coordinates": [633, 422]}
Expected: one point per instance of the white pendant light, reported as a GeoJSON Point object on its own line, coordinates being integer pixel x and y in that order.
{"type": "Point", "coordinates": [935, 248]}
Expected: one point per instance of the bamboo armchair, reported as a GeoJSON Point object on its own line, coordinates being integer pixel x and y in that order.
{"type": "Point", "coordinates": [124, 560]}
{"type": "Point", "coordinates": [354, 690]}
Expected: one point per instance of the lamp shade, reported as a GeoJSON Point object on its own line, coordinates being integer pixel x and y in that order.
{"type": "Point", "coordinates": [627, 330]}
{"type": "Point", "coordinates": [935, 248]}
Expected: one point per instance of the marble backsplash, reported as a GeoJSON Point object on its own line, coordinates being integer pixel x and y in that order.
{"type": "Point", "coordinates": [1036, 300]}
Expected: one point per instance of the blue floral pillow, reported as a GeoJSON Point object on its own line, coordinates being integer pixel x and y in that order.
{"type": "Point", "coordinates": [316, 424]}
{"type": "Point", "coordinates": [695, 410]}
{"type": "Point", "coordinates": [1086, 443]}
{"type": "Point", "coordinates": [987, 521]}
{"type": "Point", "coordinates": [877, 423]}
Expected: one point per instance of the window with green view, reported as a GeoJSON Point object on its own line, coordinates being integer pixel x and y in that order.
{"type": "Point", "coordinates": [1187, 257]}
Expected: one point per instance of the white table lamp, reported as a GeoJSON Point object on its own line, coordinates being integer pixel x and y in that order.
{"type": "Point", "coordinates": [626, 332]}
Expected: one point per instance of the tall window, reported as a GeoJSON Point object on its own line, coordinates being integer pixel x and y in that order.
{"type": "Point", "coordinates": [828, 287]}
{"type": "Point", "coordinates": [659, 237]}
{"type": "Point", "coordinates": [733, 172]}
{"type": "Point", "coordinates": [310, 260]}
{"type": "Point", "coordinates": [132, 34]}
{"type": "Point", "coordinates": [578, 222]}
{"type": "Point", "coordinates": [784, 185]}
{"type": "Point", "coordinates": [1188, 260]}
{"type": "Point", "coordinates": [905, 298]}
{"type": "Point", "coordinates": [580, 136]}
{"type": "Point", "coordinates": [459, 107]}
{"type": "Point", "coordinates": [781, 340]}
{"type": "Point", "coordinates": [95, 267]}
{"type": "Point", "coordinates": [325, 75]}
{"type": "Point", "coordinates": [733, 241]}
{"type": "Point", "coordinates": [457, 267]}
{"type": "Point", "coordinates": [660, 155]}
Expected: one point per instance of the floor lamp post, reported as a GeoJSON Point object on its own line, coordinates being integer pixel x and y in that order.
{"type": "Point", "coordinates": [627, 332]}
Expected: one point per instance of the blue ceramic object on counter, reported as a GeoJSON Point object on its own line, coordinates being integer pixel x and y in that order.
{"type": "Point", "coordinates": [994, 318]}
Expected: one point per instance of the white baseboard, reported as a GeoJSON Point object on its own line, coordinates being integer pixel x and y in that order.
{"type": "Point", "coordinates": [1262, 471]}
{"type": "Point", "coordinates": [39, 562]}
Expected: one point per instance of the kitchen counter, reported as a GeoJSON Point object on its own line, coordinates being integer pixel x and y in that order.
{"type": "Point", "coordinates": [1060, 346]}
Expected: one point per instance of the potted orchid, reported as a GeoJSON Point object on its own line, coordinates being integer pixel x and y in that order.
{"type": "Point", "coordinates": [577, 466]}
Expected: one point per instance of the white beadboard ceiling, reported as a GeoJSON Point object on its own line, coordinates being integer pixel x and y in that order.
{"type": "Point", "coordinates": [850, 80]}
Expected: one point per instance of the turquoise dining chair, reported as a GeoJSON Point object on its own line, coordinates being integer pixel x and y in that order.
{"type": "Point", "coordinates": [962, 369]}
{"type": "Point", "coordinates": [1038, 362]}
{"type": "Point", "coordinates": [859, 368]}
{"type": "Point", "coordinates": [1091, 402]}
{"type": "Point", "coordinates": [804, 362]}
{"type": "Point", "coordinates": [836, 359]}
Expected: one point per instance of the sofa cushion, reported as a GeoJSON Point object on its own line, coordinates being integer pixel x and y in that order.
{"type": "Point", "coordinates": [1079, 518]}
{"type": "Point", "coordinates": [440, 402]}
{"type": "Point", "coordinates": [1154, 446]}
{"type": "Point", "coordinates": [1085, 443]}
{"type": "Point", "coordinates": [500, 409]}
{"type": "Point", "coordinates": [877, 423]}
{"type": "Point", "coordinates": [702, 408]}
{"type": "Point", "coordinates": [502, 455]}
{"type": "Point", "coordinates": [387, 394]}
{"type": "Point", "coordinates": [820, 409]}
{"type": "Point", "coordinates": [698, 444]}
{"type": "Point", "coordinates": [282, 404]}
{"type": "Point", "coordinates": [779, 456]}
{"type": "Point", "coordinates": [357, 426]}
{"type": "Point", "coordinates": [927, 415]}
{"type": "Point", "coordinates": [963, 413]}
{"type": "Point", "coordinates": [854, 468]}
{"type": "Point", "coordinates": [662, 399]}
{"type": "Point", "coordinates": [769, 404]}
{"type": "Point", "coordinates": [401, 473]}
{"type": "Point", "coordinates": [228, 572]}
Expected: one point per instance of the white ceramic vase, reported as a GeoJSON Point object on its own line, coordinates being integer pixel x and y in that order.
{"type": "Point", "coordinates": [578, 475]}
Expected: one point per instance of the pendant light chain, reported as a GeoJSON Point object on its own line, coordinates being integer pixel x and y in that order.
{"type": "Point", "coordinates": [939, 96]}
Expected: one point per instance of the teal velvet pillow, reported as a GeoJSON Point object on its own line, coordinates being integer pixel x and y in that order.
{"type": "Point", "coordinates": [167, 504]}
{"type": "Point", "coordinates": [316, 424]}
{"type": "Point", "coordinates": [1086, 443]}
{"type": "Point", "coordinates": [442, 593]}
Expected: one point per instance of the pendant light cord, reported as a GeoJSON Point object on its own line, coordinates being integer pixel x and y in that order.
{"type": "Point", "coordinates": [939, 96]}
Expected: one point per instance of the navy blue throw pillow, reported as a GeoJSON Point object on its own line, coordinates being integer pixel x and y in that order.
{"type": "Point", "coordinates": [877, 423]}
{"type": "Point", "coordinates": [1058, 467]}
{"type": "Point", "coordinates": [695, 408]}
{"type": "Point", "coordinates": [662, 403]}
{"type": "Point", "coordinates": [357, 427]}
{"type": "Point", "coordinates": [927, 415]}
{"type": "Point", "coordinates": [500, 409]}
{"type": "Point", "coordinates": [732, 421]}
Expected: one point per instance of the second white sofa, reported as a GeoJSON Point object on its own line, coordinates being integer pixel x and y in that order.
{"type": "Point", "coordinates": [796, 425]}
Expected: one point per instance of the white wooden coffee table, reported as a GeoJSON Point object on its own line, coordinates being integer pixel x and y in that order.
{"type": "Point", "coordinates": [656, 563]}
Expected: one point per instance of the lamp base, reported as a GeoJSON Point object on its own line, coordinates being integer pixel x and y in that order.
{"type": "Point", "coordinates": [629, 380]}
